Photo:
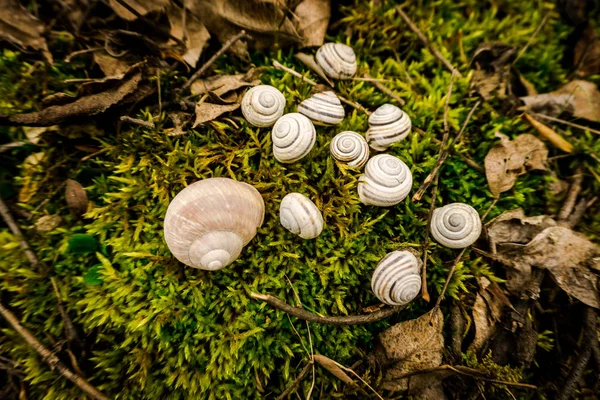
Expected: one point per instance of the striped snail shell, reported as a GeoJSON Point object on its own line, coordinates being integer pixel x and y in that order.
{"type": "Point", "coordinates": [386, 181]}
{"type": "Point", "coordinates": [299, 215]}
{"type": "Point", "coordinates": [455, 225]}
{"type": "Point", "coordinates": [262, 105]}
{"type": "Point", "coordinates": [397, 279]}
{"type": "Point", "coordinates": [323, 107]}
{"type": "Point", "coordinates": [351, 148]}
{"type": "Point", "coordinates": [337, 60]}
{"type": "Point", "coordinates": [209, 222]}
{"type": "Point", "coordinates": [387, 125]}
{"type": "Point", "coordinates": [293, 137]}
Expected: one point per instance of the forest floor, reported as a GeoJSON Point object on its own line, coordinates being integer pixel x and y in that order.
{"type": "Point", "coordinates": [106, 114]}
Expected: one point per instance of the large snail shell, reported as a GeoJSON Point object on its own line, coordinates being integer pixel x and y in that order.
{"type": "Point", "coordinates": [386, 181]}
{"type": "Point", "coordinates": [387, 125]}
{"type": "Point", "coordinates": [299, 215]}
{"type": "Point", "coordinates": [209, 222]}
{"type": "Point", "coordinates": [323, 107]}
{"type": "Point", "coordinates": [351, 148]}
{"type": "Point", "coordinates": [455, 225]}
{"type": "Point", "coordinates": [397, 280]}
{"type": "Point", "coordinates": [293, 137]}
{"type": "Point", "coordinates": [337, 60]}
{"type": "Point", "coordinates": [262, 105]}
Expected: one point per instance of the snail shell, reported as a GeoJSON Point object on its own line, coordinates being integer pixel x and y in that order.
{"type": "Point", "coordinates": [351, 148]}
{"type": "Point", "coordinates": [209, 222]}
{"type": "Point", "coordinates": [455, 225]}
{"type": "Point", "coordinates": [387, 125]}
{"type": "Point", "coordinates": [323, 107]}
{"type": "Point", "coordinates": [299, 215]}
{"type": "Point", "coordinates": [386, 181]}
{"type": "Point", "coordinates": [262, 105]}
{"type": "Point", "coordinates": [293, 137]}
{"type": "Point", "coordinates": [397, 279]}
{"type": "Point", "coordinates": [337, 60]}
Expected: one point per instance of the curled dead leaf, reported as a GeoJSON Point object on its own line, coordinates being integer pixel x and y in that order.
{"type": "Point", "coordinates": [310, 62]}
{"type": "Point", "coordinates": [550, 134]}
{"type": "Point", "coordinates": [487, 312]}
{"type": "Point", "coordinates": [195, 33]}
{"type": "Point", "coordinates": [206, 112]}
{"type": "Point", "coordinates": [143, 7]}
{"type": "Point", "coordinates": [313, 19]}
{"type": "Point", "coordinates": [587, 53]}
{"type": "Point", "coordinates": [220, 85]}
{"type": "Point", "coordinates": [76, 197]}
{"type": "Point", "coordinates": [492, 69]}
{"type": "Point", "coordinates": [332, 367]}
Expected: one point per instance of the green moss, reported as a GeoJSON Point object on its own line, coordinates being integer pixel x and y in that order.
{"type": "Point", "coordinates": [156, 329]}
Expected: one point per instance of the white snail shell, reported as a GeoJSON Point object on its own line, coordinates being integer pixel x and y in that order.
{"type": "Point", "coordinates": [337, 60]}
{"type": "Point", "coordinates": [387, 125]}
{"type": "Point", "coordinates": [262, 105]}
{"type": "Point", "coordinates": [323, 107]}
{"type": "Point", "coordinates": [386, 181]}
{"type": "Point", "coordinates": [351, 148]}
{"type": "Point", "coordinates": [397, 279]}
{"type": "Point", "coordinates": [293, 137]}
{"type": "Point", "coordinates": [455, 225]}
{"type": "Point", "coordinates": [209, 222]}
{"type": "Point", "coordinates": [299, 215]}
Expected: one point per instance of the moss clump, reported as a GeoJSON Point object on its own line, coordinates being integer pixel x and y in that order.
{"type": "Point", "coordinates": [158, 330]}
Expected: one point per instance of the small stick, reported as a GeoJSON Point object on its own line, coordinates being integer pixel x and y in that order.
{"type": "Point", "coordinates": [574, 190]}
{"type": "Point", "coordinates": [579, 211]}
{"type": "Point", "coordinates": [12, 145]}
{"type": "Point", "coordinates": [50, 358]}
{"type": "Point", "coordinates": [485, 214]}
{"type": "Point", "coordinates": [84, 51]}
{"type": "Point", "coordinates": [424, 292]}
{"type": "Point", "coordinates": [470, 162]}
{"type": "Point", "coordinates": [136, 121]}
{"type": "Point", "coordinates": [312, 317]}
{"type": "Point", "coordinates": [439, 300]}
{"type": "Point", "coordinates": [562, 121]}
{"type": "Point", "coordinates": [353, 104]}
{"type": "Point", "coordinates": [384, 89]}
{"type": "Point", "coordinates": [159, 92]}
{"type": "Point", "coordinates": [440, 158]}
{"type": "Point", "coordinates": [539, 28]}
{"type": "Point", "coordinates": [296, 381]}
{"type": "Point", "coordinates": [8, 219]}
{"type": "Point", "coordinates": [210, 62]}
{"type": "Point", "coordinates": [426, 42]}
{"type": "Point", "coordinates": [149, 23]}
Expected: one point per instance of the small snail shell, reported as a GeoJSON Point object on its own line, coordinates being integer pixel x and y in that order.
{"type": "Point", "coordinates": [455, 225]}
{"type": "Point", "coordinates": [262, 105]}
{"type": "Point", "coordinates": [299, 215]}
{"type": "Point", "coordinates": [293, 137]}
{"type": "Point", "coordinates": [209, 222]}
{"type": "Point", "coordinates": [351, 148]}
{"type": "Point", "coordinates": [387, 125]}
{"type": "Point", "coordinates": [337, 60]}
{"type": "Point", "coordinates": [397, 279]}
{"type": "Point", "coordinates": [323, 107]}
{"type": "Point", "coordinates": [387, 181]}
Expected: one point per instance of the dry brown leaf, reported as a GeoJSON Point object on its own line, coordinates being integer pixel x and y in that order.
{"type": "Point", "coordinates": [74, 10]}
{"type": "Point", "coordinates": [492, 69]}
{"type": "Point", "coordinates": [220, 85]}
{"type": "Point", "coordinates": [76, 197]}
{"type": "Point", "coordinates": [553, 137]}
{"type": "Point", "coordinates": [196, 34]}
{"type": "Point", "coordinates": [313, 16]}
{"type": "Point", "coordinates": [331, 366]}
{"type": "Point", "coordinates": [411, 346]}
{"type": "Point", "coordinates": [509, 159]}
{"type": "Point", "coordinates": [21, 28]}
{"type": "Point", "coordinates": [206, 112]}
{"type": "Point", "coordinates": [114, 91]}
{"type": "Point", "coordinates": [310, 62]}
{"type": "Point", "coordinates": [487, 312]}
{"type": "Point", "coordinates": [47, 223]}
{"type": "Point", "coordinates": [110, 65]}
{"type": "Point", "coordinates": [587, 53]}
{"type": "Point", "coordinates": [143, 7]}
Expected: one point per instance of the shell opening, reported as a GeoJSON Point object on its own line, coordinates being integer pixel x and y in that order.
{"type": "Point", "coordinates": [215, 250]}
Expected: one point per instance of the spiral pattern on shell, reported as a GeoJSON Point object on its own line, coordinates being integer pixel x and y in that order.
{"type": "Point", "coordinates": [262, 105]}
{"type": "Point", "coordinates": [293, 137]}
{"type": "Point", "coordinates": [387, 125]}
{"type": "Point", "coordinates": [397, 280]}
{"type": "Point", "coordinates": [351, 148]}
{"type": "Point", "coordinates": [455, 225]}
{"type": "Point", "coordinates": [337, 60]}
{"type": "Point", "coordinates": [209, 222]}
{"type": "Point", "coordinates": [299, 215]}
{"type": "Point", "coordinates": [323, 107]}
{"type": "Point", "coordinates": [386, 181]}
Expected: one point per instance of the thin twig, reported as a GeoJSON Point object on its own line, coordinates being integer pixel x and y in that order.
{"type": "Point", "coordinates": [359, 378]}
{"type": "Point", "coordinates": [84, 51]}
{"type": "Point", "coordinates": [464, 126]}
{"type": "Point", "coordinates": [571, 199]}
{"type": "Point", "coordinates": [485, 214]}
{"type": "Point", "coordinates": [384, 89]}
{"type": "Point", "coordinates": [470, 162]}
{"type": "Point", "coordinates": [426, 42]}
{"type": "Point", "coordinates": [445, 137]}
{"type": "Point", "coordinates": [149, 22]}
{"type": "Point", "coordinates": [50, 358]}
{"type": "Point", "coordinates": [539, 28]}
{"type": "Point", "coordinates": [579, 212]}
{"type": "Point", "coordinates": [354, 104]}
{"type": "Point", "coordinates": [448, 279]}
{"type": "Point", "coordinates": [159, 92]}
{"type": "Point", "coordinates": [562, 121]}
{"type": "Point", "coordinates": [424, 291]}
{"type": "Point", "coordinates": [312, 317]}
{"type": "Point", "coordinates": [136, 121]}
{"type": "Point", "coordinates": [8, 219]}
{"type": "Point", "coordinates": [13, 145]}
{"type": "Point", "coordinates": [296, 381]}
{"type": "Point", "coordinates": [210, 62]}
